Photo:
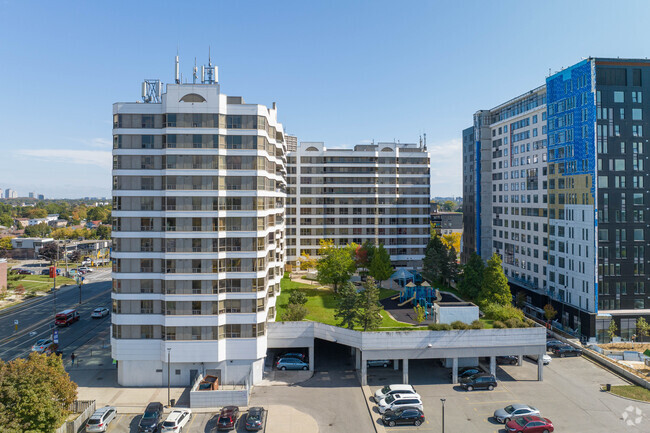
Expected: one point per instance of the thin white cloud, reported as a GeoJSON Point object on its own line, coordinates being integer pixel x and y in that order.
{"type": "Point", "coordinates": [98, 142]}
{"type": "Point", "coordinates": [101, 158]}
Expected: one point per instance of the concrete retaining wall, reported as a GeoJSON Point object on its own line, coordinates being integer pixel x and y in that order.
{"type": "Point", "coordinates": [238, 396]}
{"type": "Point", "coordinates": [605, 362]}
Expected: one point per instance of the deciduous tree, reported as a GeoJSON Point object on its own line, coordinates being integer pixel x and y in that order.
{"type": "Point", "coordinates": [549, 312]}
{"type": "Point", "coordinates": [335, 266]}
{"type": "Point", "coordinates": [5, 245]}
{"type": "Point", "coordinates": [50, 251]}
{"type": "Point", "coordinates": [611, 331]}
{"type": "Point", "coordinates": [38, 230]}
{"type": "Point", "coordinates": [642, 327]}
{"type": "Point", "coordinates": [35, 394]}
{"type": "Point", "coordinates": [307, 262]}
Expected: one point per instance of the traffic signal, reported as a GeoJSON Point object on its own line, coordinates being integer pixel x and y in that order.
{"type": "Point", "coordinates": [52, 271]}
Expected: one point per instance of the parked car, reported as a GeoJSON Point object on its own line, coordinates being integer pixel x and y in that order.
{"type": "Point", "coordinates": [398, 401]}
{"type": "Point", "coordinates": [466, 372]}
{"type": "Point", "coordinates": [42, 345]}
{"type": "Point", "coordinates": [509, 359]}
{"type": "Point", "coordinates": [479, 381]}
{"type": "Point", "coordinates": [545, 358]}
{"type": "Point", "coordinates": [176, 420]}
{"type": "Point", "coordinates": [85, 269]}
{"type": "Point", "coordinates": [551, 344]}
{"type": "Point", "coordinates": [514, 410]}
{"type": "Point", "coordinates": [66, 317]}
{"type": "Point", "coordinates": [387, 390]}
{"type": "Point", "coordinates": [530, 424]}
{"type": "Point", "coordinates": [26, 272]}
{"type": "Point", "coordinates": [567, 350]}
{"type": "Point", "coordinates": [297, 355]}
{"type": "Point", "coordinates": [254, 419]}
{"type": "Point", "coordinates": [291, 364]}
{"type": "Point", "coordinates": [151, 418]}
{"type": "Point", "coordinates": [380, 363]}
{"type": "Point", "coordinates": [407, 415]}
{"type": "Point", "coordinates": [99, 312]}
{"type": "Point", "coordinates": [228, 418]}
{"type": "Point", "coordinates": [100, 419]}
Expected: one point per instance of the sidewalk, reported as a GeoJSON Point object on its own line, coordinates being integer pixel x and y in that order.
{"type": "Point", "coordinates": [96, 377]}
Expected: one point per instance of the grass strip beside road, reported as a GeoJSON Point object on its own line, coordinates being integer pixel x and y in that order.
{"type": "Point", "coordinates": [38, 283]}
{"type": "Point", "coordinates": [631, 391]}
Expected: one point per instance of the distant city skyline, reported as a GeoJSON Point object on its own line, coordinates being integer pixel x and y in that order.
{"type": "Point", "coordinates": [389, 71]}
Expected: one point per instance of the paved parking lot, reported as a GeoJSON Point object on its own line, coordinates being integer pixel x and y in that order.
{"type": "Point", "coordinates": [569, 396]}
{"type": "Point", "coordinates": [200, 423]}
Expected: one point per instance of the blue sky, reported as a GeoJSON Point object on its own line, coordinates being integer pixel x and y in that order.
{"type": "Point", "coordinates": [342, 72]}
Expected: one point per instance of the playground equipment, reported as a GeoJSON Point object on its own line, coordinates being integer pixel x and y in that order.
{"type": "Point", "coordinates": [423, 295]}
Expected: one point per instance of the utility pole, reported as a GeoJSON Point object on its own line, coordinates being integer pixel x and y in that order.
{"type": "Point", "coordinates": [443, 414]}
{"type": "Point", "coordinates": [169, 369]}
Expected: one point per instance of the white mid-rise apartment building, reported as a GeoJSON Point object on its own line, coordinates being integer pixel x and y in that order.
{"type": "Point", "coordinates": [372, 192]}
{"type": "Point", "coordinates": [513, 219]}
{"type": "Point", "coordinates": [198, 234]}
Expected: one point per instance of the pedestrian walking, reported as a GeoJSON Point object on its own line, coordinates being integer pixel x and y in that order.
{"type": "Point", "coordinates": [72, 357]}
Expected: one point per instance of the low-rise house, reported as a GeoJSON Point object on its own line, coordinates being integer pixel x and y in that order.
{"type": "Point", "coordinates": [93, 224]}
{"type": "Point", "coordinates": [21, 222]}
{"type": "Point", "coordinates": [27, 248]}
{"type": "Point", "coordinates": [57, 224]}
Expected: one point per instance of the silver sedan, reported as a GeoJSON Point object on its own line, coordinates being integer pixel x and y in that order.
{"type": "Point", "coordinates": [513, 411]}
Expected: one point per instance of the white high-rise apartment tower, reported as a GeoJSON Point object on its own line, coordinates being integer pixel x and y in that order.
{"type": "Point", "coordinates": [373, 192]}
{"type": "Point", "coordinates": [198, 233]}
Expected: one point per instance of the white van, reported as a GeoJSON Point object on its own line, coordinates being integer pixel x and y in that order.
{"type": "Point", "coordinates": [398, 401]}
{"type": "Point", "coordinates": [387, 390]}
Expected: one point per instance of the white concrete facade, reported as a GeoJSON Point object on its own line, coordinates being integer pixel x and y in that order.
{"type": "Point", "coordinates": [198, 235]}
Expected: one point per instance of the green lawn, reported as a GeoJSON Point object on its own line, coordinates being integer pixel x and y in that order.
{"type": "Point", "coordinates": [632, 391]}
{"type": "Point", "coordinates": [38, 283]}
{"type": "Point", "coordinates": [322, 302]}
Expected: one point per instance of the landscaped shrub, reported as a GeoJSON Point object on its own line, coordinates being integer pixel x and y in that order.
{"type": "Point", "coordinates": [502, 312]}
{"type": "Point", "coordinates": [440, 327]}
{"type": "Point", "coordinates": [498, 324]}
{"type": "Point", "coordinates": [529, 323]}
{"type": "Point", "coordinates": [477, 324]}
{"type": "Point", "coordinates": [513, 322]}
{"type": "Point", "coordinates": [459, 325]}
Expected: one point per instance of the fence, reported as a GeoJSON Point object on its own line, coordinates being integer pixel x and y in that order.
{"type": "Point", "coordinates": [85, 409]}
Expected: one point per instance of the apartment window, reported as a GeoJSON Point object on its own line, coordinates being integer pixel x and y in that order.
{"type": "Point", "coordinates": [233, 331]}
{"type": "Point", "coordinates": [637, 114]}
{"type": "Point", "coordinates": [170, 333]}
{"type": "Point", "coordinates": [619, 97]}
{"type": "Point", "coordinates": [146, 307]}
{"type": "Point", "coordinates": [146, 245]}
{"type": "Point", "coordinates": [196, 333]}
{"type": "Point", "coordinates": [146, 331]}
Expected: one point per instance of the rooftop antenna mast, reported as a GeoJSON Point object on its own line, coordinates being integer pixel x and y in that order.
{"type": "Point", "coordinates": [209, 75]}
{"type": "Point", "coordinates": [194, 72]}
{"type": "Point", "coordinates": [425, 141]}
{"type": "Point", "coordinates": [177, 78]}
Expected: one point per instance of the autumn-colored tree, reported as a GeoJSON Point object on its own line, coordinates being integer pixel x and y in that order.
{"type": "Point", "coordinates": [452, 240]}
{"type": "Point", "coordinates": [307, 262]}
{"type": "Point", "coordinates": [5, 245]}
{"type": "Point", "coordinates": [36, 213]}
{"type": "Point", "coordinates": [63, 233]}
{"type": "Point", "coordinates": [35, 394]}
{"type": "Point", "coordinates": [549, 312]}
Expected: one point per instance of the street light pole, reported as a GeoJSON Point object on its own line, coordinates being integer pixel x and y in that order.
{"type": "Point", "coordinates": [169, 369]}
{"type": "Point", "coordinates": [443, 414]}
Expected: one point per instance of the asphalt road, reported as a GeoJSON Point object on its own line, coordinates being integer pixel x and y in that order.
{"type": "Point", "coordinates": [36, 319]}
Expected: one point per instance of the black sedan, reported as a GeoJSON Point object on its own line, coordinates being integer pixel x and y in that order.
{"type": "Point", "coordinates": [254, 419]}
{"type": "Point", "coordinates": [566, 350]}
{"type": "Point", "coordinates": [406, 415]}
{"type": "Point", "coordinates": [552, 344]}
{"type": "Point", "coordinates": [510, 359]}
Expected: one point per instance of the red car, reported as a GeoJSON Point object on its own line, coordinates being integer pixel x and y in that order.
{"type": "Point", "coordinates": [530, 424]}
{"type": "Point", "coordinates": [228, 418]}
